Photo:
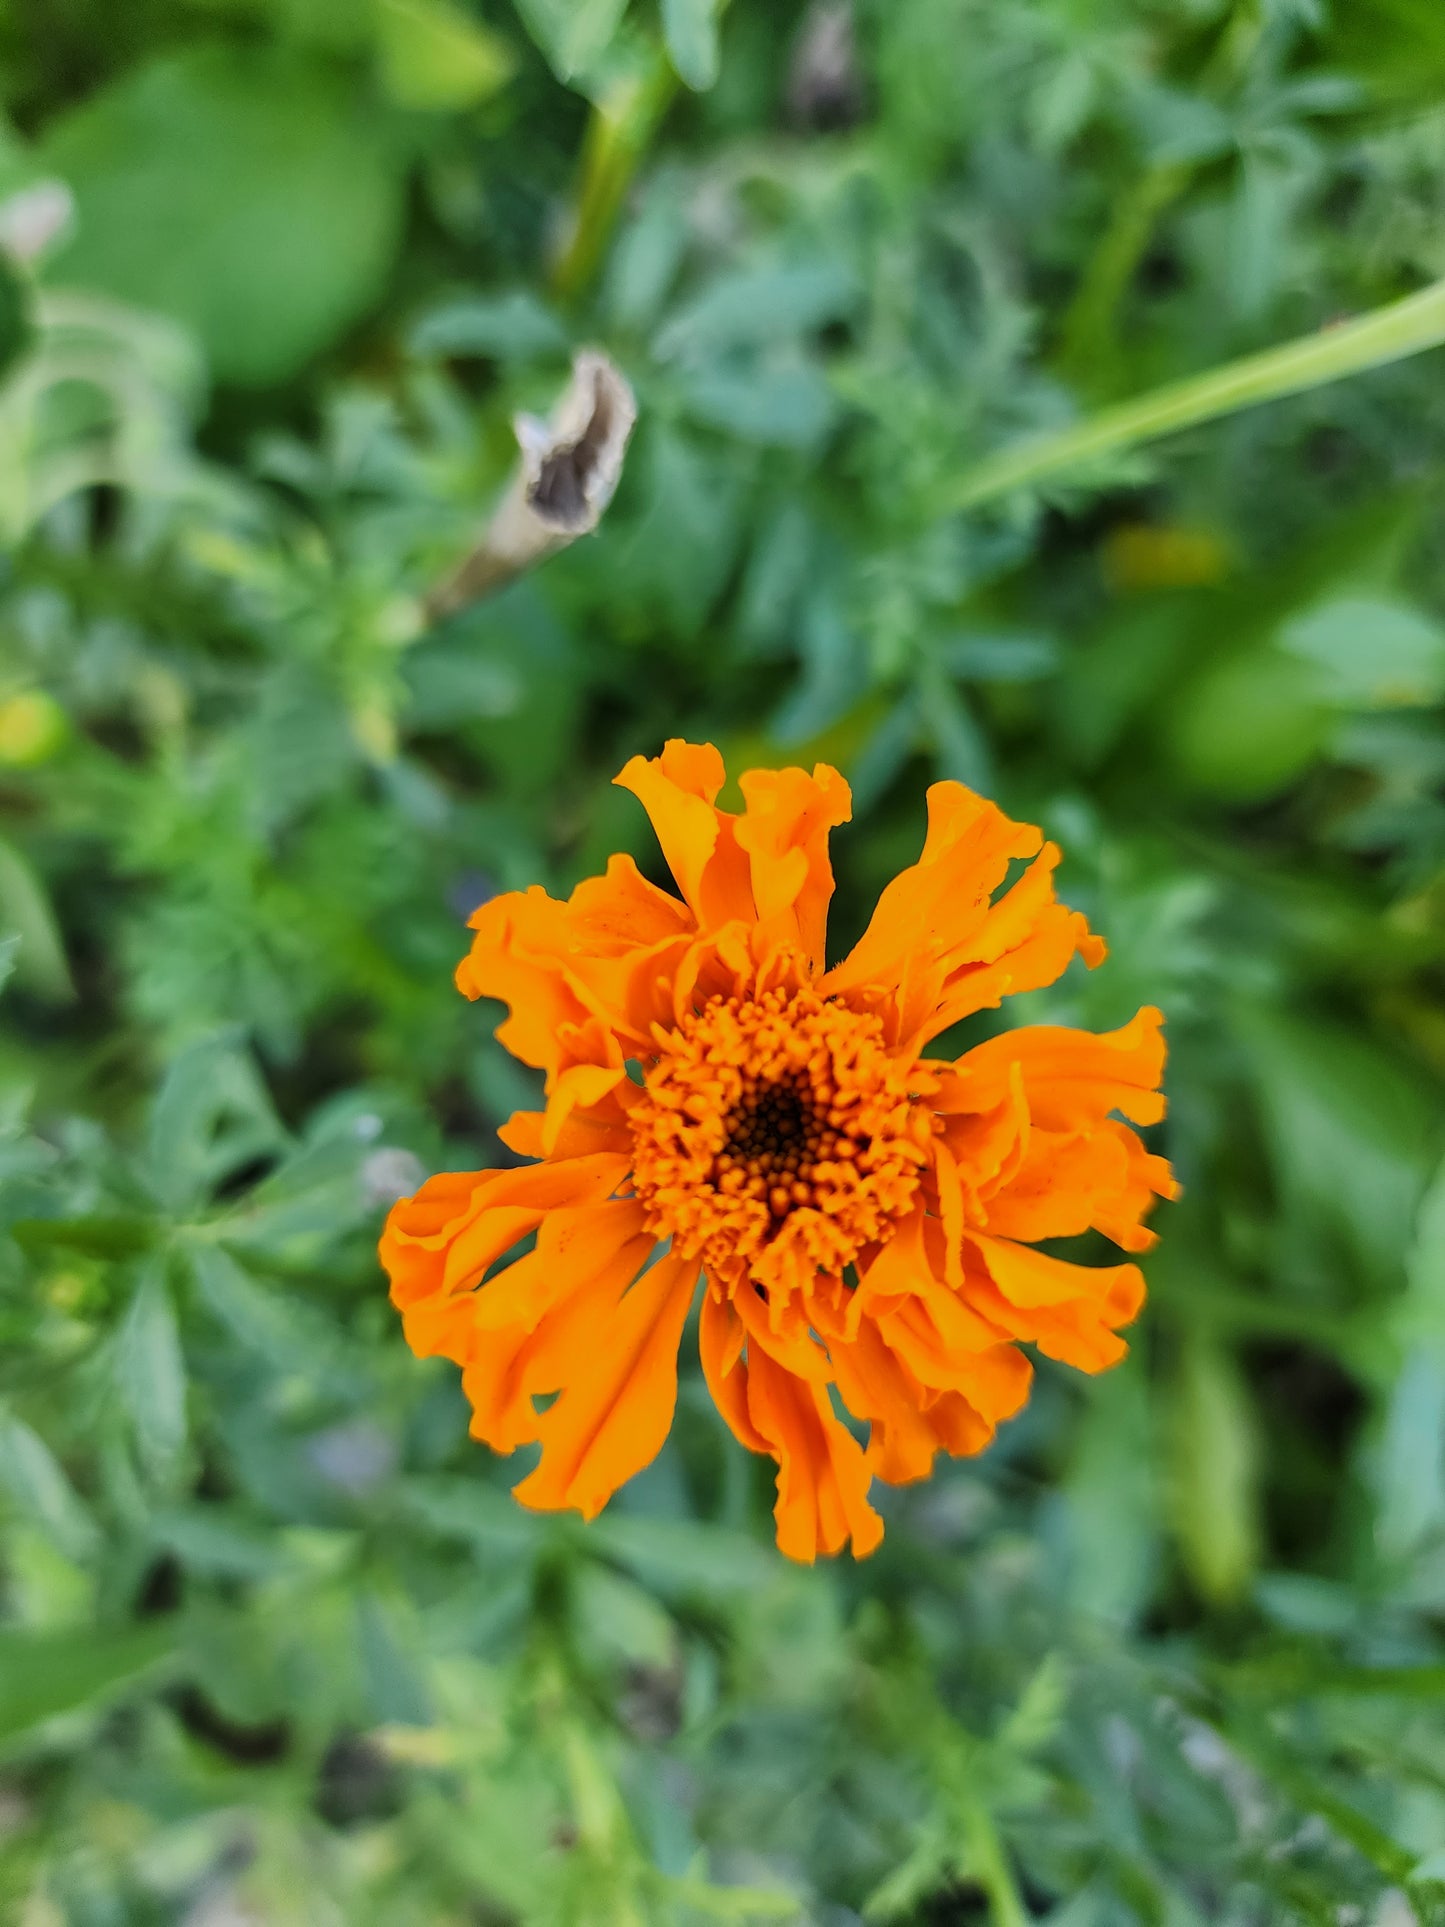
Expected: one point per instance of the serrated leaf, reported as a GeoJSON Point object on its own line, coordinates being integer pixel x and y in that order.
{"type": "Point", "coordinates": [1036, 1718]}
{"type": "Point", "coordinates": [258, 1317]}
{"type": "Point", "coordinates": [690, 28]}
{"type": "Point", "coordinates": [746, 306]}
{"type": "Point", "coordinates": [211, 1116]}
{"type": "Point", "coordinates": [151, 1372]}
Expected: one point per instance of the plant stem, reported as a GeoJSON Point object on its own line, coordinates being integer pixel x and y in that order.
{"type": "Point", "coordinates": [1387, 334]}
{"type": "Point", "coordinates": [619, 129]}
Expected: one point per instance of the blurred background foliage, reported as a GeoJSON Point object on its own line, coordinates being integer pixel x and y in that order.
{"type": "Point", "coordinates": [275, 1646]}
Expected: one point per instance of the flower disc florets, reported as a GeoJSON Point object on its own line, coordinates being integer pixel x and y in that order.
{"type": "Point", "coordinates": [778, 1137]}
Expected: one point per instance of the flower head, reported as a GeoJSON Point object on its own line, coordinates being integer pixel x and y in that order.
{"type": "Point", "coordinates": [720, 1106]}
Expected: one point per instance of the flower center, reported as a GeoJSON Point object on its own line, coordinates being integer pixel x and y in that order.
{"type": "Point", "coordinates": [777, 1137]}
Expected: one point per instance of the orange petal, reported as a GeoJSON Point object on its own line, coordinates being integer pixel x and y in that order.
{"type": "Point", "coordinates": [436, 1246]}
{"type": "Point", "coordinates": [939, 940]}
{"type": "Point", "coordinates": [561, 964]}
{"type": "Point", "coordinates": [615, 1410]}
{"type": "Point", "coordinates": [720, 1339]}
{"type": "Point", "coordinates": [876, 1386]}
{"type": "Point", "coordinates": [1072, 1079]}
{"type": "Point", "coordinates": [784, 831]}
{"type": "Point", "coordinates": [1099, 1180]}
{"type": "Point", "coordinates": [562, 1308]}
{"type": "Point", "coordinates": [573, 1247]}
{"type": "Point", "coordinates": [1071, 1312]}
{"type": "Point", "coordinates": [910, 1422]}
{"type": "Point", "coordinates": [678, 790]}
{"type": "Point", "coordinates": [823, 1477]}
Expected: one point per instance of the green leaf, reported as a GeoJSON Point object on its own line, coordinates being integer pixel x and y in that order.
{"type": "Point", "coordinates": [258, 1318]}
{"type": "Point", "coordinates": [1410, 1470]}
{"type": "Point", "coordinates": [246, 192]}
{"type": "Point", "coordinates": [1249, 726]}
{"type": "Point", "coordinates": [1350, 1135]}
{"type": "Point", "coordinates": [1216, 1471]}
{"type": "Point", "coordinates": [36, 1482]}
{"type": "Point", "coordinates": [1111, 1509]}
{"type": "Point", "coordinates": [1040, 1710]}
{"type": "Point", "coordinates": [515, 326]}
{"type": "Point", "coordinates": [752, 305]}
{"type": "Point", "coordinates": [211, 1116]}
{"type": "Point", "coordinates": [436, 57]}
{"type": "Point", "coordinates": [678, 1553]}
{"type": "Point", "coordinates": [210, 1539]}
{"type": "Point", "coordinates": [43, 1674]}
{"type": "Point", "coordinates": [151, 1371]}
{"type": "Point", "coordinates": [690, 28]}
{"type": "Point", "coordinates": [98, 1237]}
{"type": "Point", "coordinates": [1370, 652]}
{"type": "Point", "coordinates": [573, 34]}
{"type": "Point", "coordinates": [25, 914]}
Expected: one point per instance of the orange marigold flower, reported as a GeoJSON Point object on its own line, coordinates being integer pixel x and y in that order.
{"type": "Point", "coordinates": [721, 1105]}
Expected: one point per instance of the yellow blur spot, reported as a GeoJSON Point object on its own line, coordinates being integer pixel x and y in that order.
{"type": "Point", "coordinates": [375, 730]}
{"type": "Point", "coordinates": [1138, 557]}
{"type": "Point", "coordinates": [32, 728]}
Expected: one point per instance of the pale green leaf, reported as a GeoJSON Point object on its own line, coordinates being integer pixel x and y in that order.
{"type": "Point", "coordinates": [573, 34]}
{"type": "Point", "coordinates": [1214, 1489]}
{"type": "Point", "coordinates": [690, 28]}
{"type": "Point", "coordinates": [38, 1486]}
{"type": "Point", "coordinates": [434, 56]}
{"type": "Point", "coordinates": [151, 1371]}
{"type": "Point", "coordinates": [1371, 652]}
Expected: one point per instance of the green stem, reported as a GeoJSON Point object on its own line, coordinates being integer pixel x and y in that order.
{"type": "Point", "coordinates": [619, 130]}
{"type": "Point", "coordinates": [1387, 334]}
{"type": "Point", "coordinates": [988, 1863]}
{"type": "Point", "coordinates": [1090, 350]}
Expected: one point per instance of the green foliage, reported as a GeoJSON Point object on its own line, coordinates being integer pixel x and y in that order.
{"type": "Point", "coordinates": [274, 1641]}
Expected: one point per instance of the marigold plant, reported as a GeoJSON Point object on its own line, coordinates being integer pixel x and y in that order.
{"type": "Point", "coordinates": [723, 1106]}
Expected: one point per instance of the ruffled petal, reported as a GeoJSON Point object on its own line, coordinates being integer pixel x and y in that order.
{"type": "Point", "coordinates": [437, 1246]}
{"type": "Point", "coordinates": [560, 965]}
{"type": "Point", "coordinates": [823, 1477]}
{"type": "Point", "coordinates": [619, 1390]}
{"type": "Point", "coordinates": [721, 1336]}
{"type": "Point", "coordinates": [540, 1322]}
{"type": "Point", "coordinates": [678, 790]}
{"type": "Point", "coordinates": [784, 831]}
{"type": "Point", "coordinates": [1071, 1079]}
{"type": "Point", "coordinates": [1071, 1312]}
{"type": "Point", "coordinates": [1099, 1180]}
{"type": "Point", "coordinates": [937, 938]}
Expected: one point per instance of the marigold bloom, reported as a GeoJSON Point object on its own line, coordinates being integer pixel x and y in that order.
{"type": "Point", "coordinates": [721, 1105]}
